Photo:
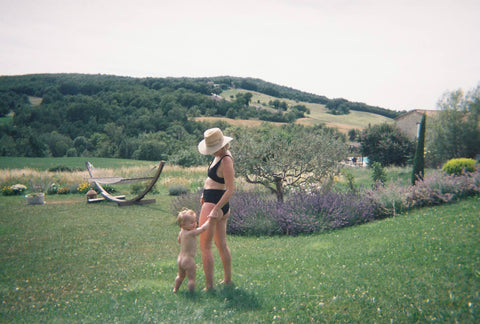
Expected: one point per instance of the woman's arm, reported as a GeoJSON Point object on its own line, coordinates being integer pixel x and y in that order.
{"type": "Point", "coordinates": [229, 176]}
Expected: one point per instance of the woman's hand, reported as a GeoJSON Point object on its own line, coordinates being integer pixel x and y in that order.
{"type": "Point", "coordinates": [201, 200]}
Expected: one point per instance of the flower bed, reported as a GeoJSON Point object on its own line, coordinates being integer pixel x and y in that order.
{"type": "Point", "coordinates": [303, 213]}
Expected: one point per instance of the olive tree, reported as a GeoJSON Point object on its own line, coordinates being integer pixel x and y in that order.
{"type": "Point", "coordinates": [279, 157]}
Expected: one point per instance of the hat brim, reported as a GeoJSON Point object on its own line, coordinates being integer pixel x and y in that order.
{"type": "Point", "coordinates": [207, 150]}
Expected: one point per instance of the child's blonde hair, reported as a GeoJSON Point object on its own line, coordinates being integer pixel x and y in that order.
{"type": "Point", "coordinates": [185, 214]}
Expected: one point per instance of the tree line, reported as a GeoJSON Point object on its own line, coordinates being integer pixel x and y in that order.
{"type": "Point", "coordinates": [111, 116]}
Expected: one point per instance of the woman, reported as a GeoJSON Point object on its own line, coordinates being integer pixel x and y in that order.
{"type": "Point", "coordinates": [218, 188]}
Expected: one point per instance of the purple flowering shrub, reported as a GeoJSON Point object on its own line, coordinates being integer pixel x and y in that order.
{"type": "Point", "coordinates": [259, 214]}
{"type": "Point", "coordinates": [436, 188]}
{"type": "Point", "coordinates": [187, 200]}
{"type": "Point", "coordinates": [388, 200]}
{"type": "Point", "coordinates": [254, 213]}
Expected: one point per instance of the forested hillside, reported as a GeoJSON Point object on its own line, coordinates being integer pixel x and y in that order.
{"type": "Point", "coordinates": [140, 118]}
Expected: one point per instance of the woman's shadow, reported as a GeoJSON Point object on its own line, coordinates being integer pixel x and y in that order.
{"type": "Point", "coordinates": [232, 296]}
{"type": "Point", "coordinates": [236, 297]}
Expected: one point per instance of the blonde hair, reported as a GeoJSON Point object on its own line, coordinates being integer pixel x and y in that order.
{"type": "Point", "coordinates": [185, 214]}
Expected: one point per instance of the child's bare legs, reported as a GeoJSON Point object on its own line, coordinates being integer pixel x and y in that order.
{"type": "Point", "coordinates": [191, 279]}
{"type": "Point", "coordinates": [186, 268]}
{"type": "Point", "coordinates": [179, 279]}
{"type": "Point", "coordinates": [220, 237]}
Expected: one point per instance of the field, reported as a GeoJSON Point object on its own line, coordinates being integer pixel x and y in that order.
{"type": "Point", "coordinates": [68, 261]}
{"type": "Point", "coordinates": [318, 113]}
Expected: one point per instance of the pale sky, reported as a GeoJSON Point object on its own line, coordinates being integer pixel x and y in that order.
{"type": "Point", "coordinates": [396, 54]}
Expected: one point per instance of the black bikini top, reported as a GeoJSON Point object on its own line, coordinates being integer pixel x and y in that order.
{"type": "Point", "coordinates": [212, 172]}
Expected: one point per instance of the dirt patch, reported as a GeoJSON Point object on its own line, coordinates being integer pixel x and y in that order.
{"type": "Point", "coordinates": [35, 101]}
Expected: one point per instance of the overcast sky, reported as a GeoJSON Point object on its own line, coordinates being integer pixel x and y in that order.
{"type": "Point", "coordinates": [396, 54]}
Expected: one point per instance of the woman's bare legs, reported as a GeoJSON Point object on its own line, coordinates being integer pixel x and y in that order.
{"type": "Point", "coordinates": [218, 231]}
{"type": "Point", "coordinates": [206, 245]}
{"type": "Point", "coordinates": [220, 237]}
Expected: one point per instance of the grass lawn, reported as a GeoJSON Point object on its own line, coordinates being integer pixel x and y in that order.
{"type": "Point", "coordinates": [318, 113]}
{"type": "Point", "coordinates": [43, 164]}
{"type": "Point", "coordinates": [68, 261]}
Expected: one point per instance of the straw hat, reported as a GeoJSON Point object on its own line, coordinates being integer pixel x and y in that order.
{"type": "Point", "coordinates": [213, 141]}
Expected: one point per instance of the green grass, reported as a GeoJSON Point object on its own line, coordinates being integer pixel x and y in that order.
{"type": "Point", "coordinates": [363, 176]}
{"type": "Point", "coordinates": [68, 261]}
{"type": "Point", "coordinates": [318, 113]}
{"type": "Point", "coordinates": [43, 164]}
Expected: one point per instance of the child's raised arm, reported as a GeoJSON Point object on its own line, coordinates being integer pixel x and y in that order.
{"type": "Point", "coordinates": [201, 229]}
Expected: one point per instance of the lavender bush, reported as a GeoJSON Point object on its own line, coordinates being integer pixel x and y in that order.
{"type": "Point", "coordinates": [298, 214]}
{"type": "Point", "coordinates": [388, 200]}
{"type": "Point", "coordinates": [436, 188]}
{"type": "Point", "coordinates": [303, 213]}
{"type": "Point", "coordinates": [188, 200]}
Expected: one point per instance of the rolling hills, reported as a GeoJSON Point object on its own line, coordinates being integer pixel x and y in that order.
{"type": "Point", "coordinates": [151, 118]}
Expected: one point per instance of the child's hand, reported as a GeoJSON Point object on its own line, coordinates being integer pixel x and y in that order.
{"type": "Point", "coordinates": [214, 214]}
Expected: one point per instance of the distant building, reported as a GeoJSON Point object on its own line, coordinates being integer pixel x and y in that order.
{"type": "Point", "coordinates": [409, 122]}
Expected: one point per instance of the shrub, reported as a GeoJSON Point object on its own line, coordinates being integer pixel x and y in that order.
{"type": "Point", "coordinates": [459, 166]}
{"type": "Point", "coordinates": [350, 180]}
{"type": "Point", "coordinates": [16, 189]}
{"type": "Point", "coordinates": [177, 190]}
{"type": "Point", "coordinates": [7, 191]}
{"type": "Point", "coordinates": [388, 200]}
{"type": "Point", "coordinates": [254, 213]}
{"type": "Point", "coordinates": [436, 188]}
{"type": "Point", "coordinates": [260, 214]}
{"type": "Point", "coordinates": [52, 189]}
{"type": "Point", "coordinates": [188, 200]}
{"type": "Point", "coordinates": [378, 173]}
{"type": "Point", "coordinates": [138, 187]}
{"type": "Point", "coordinates": [110, 189]}
{"type": "Point", "coordinates": [60, 168]}
{"type": "Point", "coordinates": [63, 191]}
{"type": "Point", "coordinates": [84, 187]}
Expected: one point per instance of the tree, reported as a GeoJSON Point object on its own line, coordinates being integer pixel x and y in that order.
{"type": "Point", "coordinates": [338, 106]}
{"type": "Point", "coordinates": [385, 143]}
{"type": "Point", "coordinates": [243, 99]}
{"type": "Point", "coordinates": [455, 130]}
{"type": "Point", "coordinates": [419, 159]}
{"type": "Point", "coordinates": [57, 143]}
{"type": "Point", "coordinates": [353, 134]}
{"type": "Point", "coordinates": [287, 156]}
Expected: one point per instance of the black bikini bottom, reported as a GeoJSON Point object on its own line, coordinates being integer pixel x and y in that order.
{"type": "Point", "coordinates": [213, 196]}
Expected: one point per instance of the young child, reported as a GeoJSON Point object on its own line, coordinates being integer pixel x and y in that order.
{"type": "Point", "coordinates": [187, 220]}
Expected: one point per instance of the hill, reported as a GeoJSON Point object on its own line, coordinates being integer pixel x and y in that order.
{"type": "Point", "coordinates": [319, 114]}
{"type": "Point", "coordinates": [151, 118]}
